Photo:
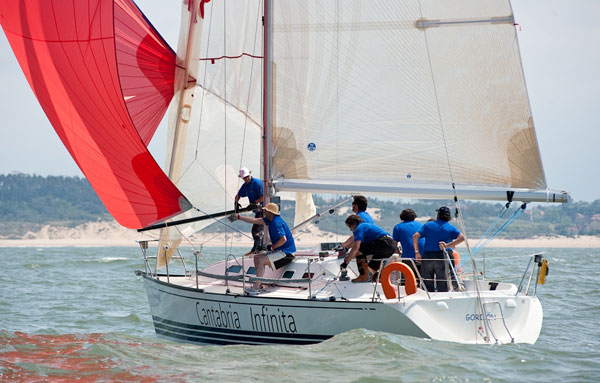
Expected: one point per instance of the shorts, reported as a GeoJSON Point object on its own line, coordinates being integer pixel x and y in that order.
{"type": "Point", "coordinates": [382, 247]}
{"type": "Point", "coordinates": [278, 259]}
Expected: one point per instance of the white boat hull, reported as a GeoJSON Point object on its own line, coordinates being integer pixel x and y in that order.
{"type": "Point", "coordinates": [208, 314]}
{"type": "Point", "coordinates": [187, 315]}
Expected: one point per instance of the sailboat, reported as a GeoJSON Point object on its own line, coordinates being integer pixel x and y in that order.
{"type": "Point", "coordinates": [405, 98]}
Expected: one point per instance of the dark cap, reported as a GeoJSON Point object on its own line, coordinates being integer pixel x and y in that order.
{"type": "Point", "coordinates": [444, 210]}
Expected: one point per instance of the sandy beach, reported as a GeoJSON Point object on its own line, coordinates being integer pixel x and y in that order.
{"type": "Point", "coordinates": [98, 234]}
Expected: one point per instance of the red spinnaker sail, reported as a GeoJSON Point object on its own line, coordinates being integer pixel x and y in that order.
{"type": "Point", "coordinates": [104, 78]}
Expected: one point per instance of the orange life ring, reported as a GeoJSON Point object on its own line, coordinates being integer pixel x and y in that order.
{"type": "Point", "coordinates": [410, 283]}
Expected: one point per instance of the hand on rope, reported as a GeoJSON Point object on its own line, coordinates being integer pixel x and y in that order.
{"type": "Point", "coordinates": [233, 217]}
{"type": "Point", "coordinates": [237, 207]}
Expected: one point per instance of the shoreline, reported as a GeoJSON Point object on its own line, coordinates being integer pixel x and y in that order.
{"type": "Point", "coordinates": [581, 242]}
{"type": "Point", "coordinates": [111, 234]}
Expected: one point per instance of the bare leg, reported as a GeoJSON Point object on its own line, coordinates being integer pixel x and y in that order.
{"type": "Point", "coordinates": [260, 261]}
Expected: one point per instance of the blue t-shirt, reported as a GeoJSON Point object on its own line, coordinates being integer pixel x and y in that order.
{"type": "Point", "coordinates": [366, 217]}
{"type": "Point", "coordinates": [403, 233]}
{"type": "Point", "coordinates": [253, 190]}
{"type": "Point", "coordinates": [435, 232]}
{"type": "Point", "coordinates": [277, 229]}
{"type": "Point", "coordinates": [368, 232]}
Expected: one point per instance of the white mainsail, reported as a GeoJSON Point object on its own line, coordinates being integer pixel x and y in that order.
{"type": "Point", "coordinates": [399, 93]}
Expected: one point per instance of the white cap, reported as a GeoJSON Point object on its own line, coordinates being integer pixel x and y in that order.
{"type": "Point", "coordinates": [244, 172]}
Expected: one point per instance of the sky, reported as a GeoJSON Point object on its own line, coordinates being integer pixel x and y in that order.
{"type": "Point", "coordinates": [560, 49]}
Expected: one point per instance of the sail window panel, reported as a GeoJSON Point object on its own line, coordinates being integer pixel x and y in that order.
{"type": "Point", "coordinates": [376, 98]}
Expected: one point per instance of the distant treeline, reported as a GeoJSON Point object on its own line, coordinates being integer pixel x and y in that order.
{"type": "Point", "coordinates": [576, 218]}
{"type": "Point", "coordinates": [29, 201]}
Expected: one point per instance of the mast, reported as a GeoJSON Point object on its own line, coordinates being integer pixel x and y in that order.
{"type": "Point", "coordinates": [187, 86]}
{"type": "Point", "coordinates": [267, 100]}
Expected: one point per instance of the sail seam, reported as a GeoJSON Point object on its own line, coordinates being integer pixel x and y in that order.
{"type": "Point", "coordinates": [213, 59]}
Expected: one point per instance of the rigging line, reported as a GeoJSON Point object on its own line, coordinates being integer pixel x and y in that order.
{"type": "Point", "coordinates": [508, 222]}
{"type": "Point", "coordinates": [221, 221]}
{"type": "Point", "coordinates": [321, 215]}
{"type": "Point", "coordinates": [204, 79]}
{"type": "Point", "coordinates": [225, 118]}
{"type": "Point", "coordinates": [192, 245]}
{"type": "Point", "coordinates": [480, 300]}
{"type": "Point", "coordinates": [437, 101]}
{"type": "Point", "coordinates": [500, 214]}
{"type": "Point", "coordinates": [231, 105]}
{"type": "Point", "coordinates": [456, 203]}
{"type": "Point", "coordinates": [337, 87]}
{"type": "Point", "coordinates": [249, 87]}
{"type": "Point", "coordinates": [500, 229]}
{"type": "Point", "coordinates": [461, 223]}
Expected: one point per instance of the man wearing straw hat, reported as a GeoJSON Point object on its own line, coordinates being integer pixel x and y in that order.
{"type": "Point", "coordinates": [282, 251]}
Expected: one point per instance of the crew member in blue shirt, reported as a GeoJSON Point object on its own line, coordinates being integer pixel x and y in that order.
{"type": "Point", "coordinates": [403, 233]}
{"type": "Point", "coordinates": [439, 235]}
{"type": "Point", "coordinates": [359, 207]}
{"type": "Point", "coordinates": [283, 246]}
{"type": "Point", "coordinates": [253, 189]}
{"type": "Point", "coordinates": [369, 239]}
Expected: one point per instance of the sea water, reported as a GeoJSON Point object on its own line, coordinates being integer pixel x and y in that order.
{"type": "Point", "coordinates": [81, 314]}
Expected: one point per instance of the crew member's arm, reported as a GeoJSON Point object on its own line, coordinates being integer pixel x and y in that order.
{"type": "Point", "coordinates": [280, 242]}
{"type": "Point", "coordinates": [354, 252]}
{"type": "Point", "coordinates": [398, 248]}
{"type": "Point", "coordinates": [460, 239]}
{"type": "Point", "coordinates": [348, 243]}
{"type": "Point", "coordinates": [416, 237]}
{"type": "Point", "coordinates": [236, 203]}
{"type": "Point", "coordinates": [258, 221]}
